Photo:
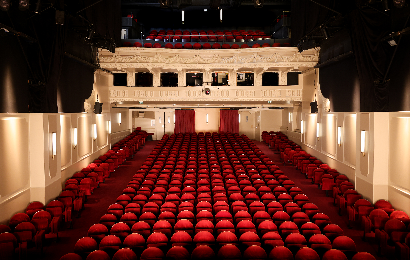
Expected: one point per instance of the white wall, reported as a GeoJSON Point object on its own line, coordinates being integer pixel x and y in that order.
{"type": "Point", "coordinates": [382, 171]}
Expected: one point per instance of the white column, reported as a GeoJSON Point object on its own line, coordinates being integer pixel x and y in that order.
{"type": "Point", "coordinates": [130, 78]}
{"type": "Point", "coordinates": [233, 77]}
{"type": "Point", "coordinates": [283, 78]}
{"type": "Point", "coordinates": [181, 78]}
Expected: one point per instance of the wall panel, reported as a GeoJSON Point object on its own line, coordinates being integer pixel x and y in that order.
{"type": "Point", "coordinates": [213, 120]}
{"type": "Point", "coordinates": [14, 157]}
{"type": "Point", "coordinates": [329, 133]}
{"type": "Point", "coordinates": [66, 139]}
{"type": "Point", "coordinates": [349, 139]}
{"type": "Point", "coordinates": [400, 152]}
{"type": "Point", "coordinates": [311, 124]}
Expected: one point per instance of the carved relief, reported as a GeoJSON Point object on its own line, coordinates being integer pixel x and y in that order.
{"type": "Point", "coordinates": [89, 103]}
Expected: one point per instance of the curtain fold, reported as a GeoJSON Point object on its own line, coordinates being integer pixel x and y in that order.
{"type": "Point", "coordinates": [229, 121]}
{"type": "Point", "coordinates": [184, 121]}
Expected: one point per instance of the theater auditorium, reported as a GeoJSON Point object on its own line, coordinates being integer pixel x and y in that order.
{"type": "Point", "coordinates": [204, 129]}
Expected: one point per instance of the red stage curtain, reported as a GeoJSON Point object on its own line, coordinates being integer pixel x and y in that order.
{"type": "Point", "coordinates": [184, 121]}
{"type": "Point", "coordinates": [229, 121]}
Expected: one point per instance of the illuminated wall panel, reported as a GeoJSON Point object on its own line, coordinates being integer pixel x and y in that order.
{"type": "Point", "coordinates": [14, 159]}
{"type": "Point", "coordinates": [400, 152]}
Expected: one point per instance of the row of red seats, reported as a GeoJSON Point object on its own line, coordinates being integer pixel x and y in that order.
{"type": "Point", "coordinates": [207, 38]}
{"type": "Point", "coordinates": [203, 46]}
{"type": "Point", "coordinates": [155, 225]}
{"type": "Point", "coordinates": [42, 222]}
{"type": "Point", "coordinates": [208, 32]}
{"type": "Point", "coordinates": [382, 224]}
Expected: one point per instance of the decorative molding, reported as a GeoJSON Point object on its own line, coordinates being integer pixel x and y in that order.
{"type": "Point", "coordinates": [239, 93]}
{"type": "Point", "coordinates": [264, 58]}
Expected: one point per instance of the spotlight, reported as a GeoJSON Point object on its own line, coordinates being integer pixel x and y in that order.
{"type": "Point", "coordinates": [324, 32]}
{"type": "Point", "coordinates": [23, 5]}
{"type": "Point", "coordinates": [59, 17]}
{"type": "Point", "coordinates": [392, 42]}
{"type": "Point", "coordinates": [258, 3]}
{"type": "Point", "coordinates": [37, 6]}
{"type": "Point", "coordinates": [164, 3]}
{"type": "Point", "coordinates": [386, 5]}
{"type": "Point", "coordinates": [5, 5]}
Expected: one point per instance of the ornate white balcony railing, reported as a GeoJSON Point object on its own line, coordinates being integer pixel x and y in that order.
{"type": "Point", "coordinates": [224, 93]}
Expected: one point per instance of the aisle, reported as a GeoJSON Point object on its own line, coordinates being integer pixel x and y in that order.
{"type": "Point", "coordinates": [325, 204]}
{"type": "Point", "coordinates": [96, 205]}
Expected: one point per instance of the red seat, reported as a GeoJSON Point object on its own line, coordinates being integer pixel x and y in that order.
{"type": "Point", "coordinates": [84, 246]}
{"type": "Point", "coordinates": [255, 253]}
{"type": "Point", "coordinates": [307, 253]}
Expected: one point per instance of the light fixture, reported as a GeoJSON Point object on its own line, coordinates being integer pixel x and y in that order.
{"type": "Point", "coordinates": [5, 5]}
{"type": "Point", "coordinates": [386, 5]}
{"type": "Point", "coordinates": [318, 130]}
{"type": "Point", "coordinates": [109, 127]}
{"type": "Point", "coordinates": [183, 16]}
{"type": "Point", "coordinates": [37, 6]}
{"type": "Point", "coordinates": [339, 135]}
{"type": "Point", "coordinates": [207, 118]}
{"type": "Point", "coordinates": [290, 117]}
{"type": "Point", "coordinates": [119, 118]}
{"type": "Point", "coordinates": [258, 3]}
{"type": "Point", "coordinates": [174, 118]}
{"type": "Point", "coordinates": [169, 120]}
{"type": "Point", "coordinates": [159, 120]}
{"type": "Point", "coordinates": [220, 15]}
{"type": "Point", "coordinates": [53, 144]}
{"type": "Point", "coordinates": [363, 142]}
{"type": "Point", "coordinates": [94, 131]}
{"type": "Point", "coordinates": [301, 127]}
{"type": "Point", "coordinates": [75, 137]}
{"type": "Point", "coordinates": [239, 118]}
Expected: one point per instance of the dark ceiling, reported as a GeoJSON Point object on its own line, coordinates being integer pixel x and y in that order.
{"type": "Point", "coordinates": [237, 14]}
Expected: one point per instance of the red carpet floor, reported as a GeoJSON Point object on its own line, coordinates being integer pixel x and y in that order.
{"type": "Point", "coordinates": [96, 206]}
{"type": "Point", "coordinates": [325, 204]}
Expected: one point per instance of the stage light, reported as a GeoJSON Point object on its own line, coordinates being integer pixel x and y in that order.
{"type": "Point", "coordinates": [207, 118]}
{"type": "Point", "coordinates": [386, 5]}
{"type": "Point", "coordinates": [258, 3]}
{"type": "Point", "coordinates": [325, 33]}
{"type": "Point", "coordinates": [119, 118]}
{"type": "Point", "coordinates": [183, 16]}
{"type": "Point", "coordinates": [23, 5]}
{"type": "Point", "coordinates": [37, 6]}
{"type": "Point", "coordinates": [75, 137]}
{"type": "Point", "coordinates": [318, 130]}
{"type": "Point", "coordinates": [5, 5]}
